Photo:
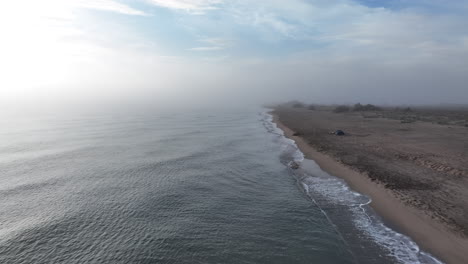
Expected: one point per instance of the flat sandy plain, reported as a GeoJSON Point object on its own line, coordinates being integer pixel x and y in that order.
{"type": "Point", "coordinates": [415, 171]}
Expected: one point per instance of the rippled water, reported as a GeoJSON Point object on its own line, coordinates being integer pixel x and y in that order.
{"type": "Point", "coordinates": [176, 187]}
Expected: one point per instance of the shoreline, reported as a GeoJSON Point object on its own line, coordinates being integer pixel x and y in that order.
{"type": "Point", "coordinates": [429, 235]}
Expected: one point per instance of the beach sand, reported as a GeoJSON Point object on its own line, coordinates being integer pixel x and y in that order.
{"type": "Point", "coordinates": [415, 173]}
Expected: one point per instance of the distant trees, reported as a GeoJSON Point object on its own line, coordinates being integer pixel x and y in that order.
{"type": "Point", "coordinates": [337, 109]}
{"type": "Point", "coordinates": [298, 105]}
{"type": "Point", "coordinates": [368, 107]}
{"type": "Point", "coordinates": [356, 108]}
{"type": "Point", "coordinates": [295, 104]}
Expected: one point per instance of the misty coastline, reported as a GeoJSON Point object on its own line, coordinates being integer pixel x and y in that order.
{"type": "Point", "coordinates": [392, 161]}
{"type": "Point", "coordinates": [137, 131]}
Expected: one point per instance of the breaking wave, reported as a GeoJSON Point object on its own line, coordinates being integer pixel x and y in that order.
{"type": "Point", "coordinates": [345, 208]}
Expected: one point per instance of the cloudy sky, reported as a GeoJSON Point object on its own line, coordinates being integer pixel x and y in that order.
{"type": "Point", "coordinates": [254, 51]}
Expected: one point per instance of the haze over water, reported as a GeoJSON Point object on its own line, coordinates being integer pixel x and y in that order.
{"type": "Point", "coordinates": [135, 185]}
{"type": "Point", "coordinates": [169, 187]}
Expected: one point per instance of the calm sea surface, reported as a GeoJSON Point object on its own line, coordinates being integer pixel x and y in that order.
{"type": "Point", "coordinates": [177, 187]}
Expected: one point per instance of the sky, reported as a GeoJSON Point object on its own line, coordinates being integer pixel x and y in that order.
{"type": "Point", "coordinates": [234, 52]}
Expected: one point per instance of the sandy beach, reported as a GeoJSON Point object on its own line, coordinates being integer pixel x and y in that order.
{"type": "Point", "coordinates": [415, 172]}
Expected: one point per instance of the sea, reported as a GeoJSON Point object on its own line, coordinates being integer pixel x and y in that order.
{"type": "Point", "coordinates": [177, 186]}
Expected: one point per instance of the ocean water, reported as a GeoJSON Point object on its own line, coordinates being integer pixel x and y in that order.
{"type": "Point", "coordinates": [177, 187]}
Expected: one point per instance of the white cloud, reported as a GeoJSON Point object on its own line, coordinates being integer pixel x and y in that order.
{"type": "Point", "coordinates": [45, 43]}
{"type": "Point", "coordinates": [323, 48]}
{"type": "Point", "coordinates": [208, 48]}
{"type": "Point", "coordinates": [109, 5]}
{"type": "Point", "coordinates": [59, 8]}
{"type": "Point", "coordinates": [193, 6]}
{"type": "Point", "coordinates": [216, 41]}
{"type": "Point", "coordinates": [215, 44]}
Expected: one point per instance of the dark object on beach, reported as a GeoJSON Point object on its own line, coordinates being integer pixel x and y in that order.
{"type": "Point", "coordinates": [298, 105]}
{"type": "Point", "coordinates": [311, 107]}
{"type": "Point", "coordinates": [408, 109]}
{"type": "Point", "coordinates": [294, 165]}
{"type": "Point", "coordinates": [339, 133]}
{"type": "Point", "coordinates": [296, 134]}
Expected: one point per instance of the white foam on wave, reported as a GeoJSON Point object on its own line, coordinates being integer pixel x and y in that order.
{"type": "Point", "coordinates": [288, 145]}
{"type": "Point", "coordinates": [317, 182]}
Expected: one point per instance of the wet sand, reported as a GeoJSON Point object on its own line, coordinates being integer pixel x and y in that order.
{"type": "Point", "coordinates": [415, 173]}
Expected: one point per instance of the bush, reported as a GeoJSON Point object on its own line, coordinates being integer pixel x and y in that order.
{"type": "Point", "coordinates": [358, 107]}
{"type": "Point", "coordinates": [443, 122]}
{"type": "Point", "coordinates": [407, 121]}
{"type": "Point", "coordinates": [367, 107]}
{"type": "Point", "coordinates": [298, 105]}
{"type": "Point", "coordinates": [342, 109]}
{"type": "Point", "coordinates": [311, 107]}
{"type": "Point", "coordinates": [371, 107]}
